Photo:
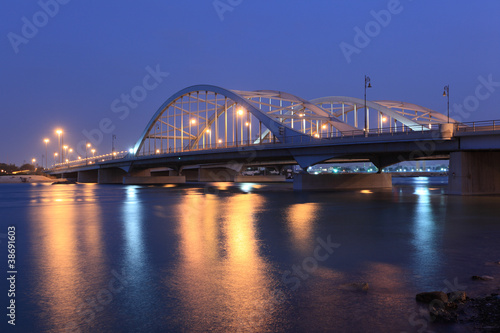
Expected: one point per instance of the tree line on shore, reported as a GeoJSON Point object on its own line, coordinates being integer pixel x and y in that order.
{"type": "Point", "coordinates": [9, 169]}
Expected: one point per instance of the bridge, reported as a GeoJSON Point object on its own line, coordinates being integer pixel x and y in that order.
{"type": "Point", "coordinates": [206, 133]}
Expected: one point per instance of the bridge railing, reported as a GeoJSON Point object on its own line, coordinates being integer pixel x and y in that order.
{"type": "Point", "coordinates": [91, 160]}
{"type": "Point", "coordinates": [476, 126]}
{"type": "Point", "coordinates": [296, 139]}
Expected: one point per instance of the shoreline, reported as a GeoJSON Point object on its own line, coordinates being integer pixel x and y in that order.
{"type": "Point", "coordinates": [14, 179]}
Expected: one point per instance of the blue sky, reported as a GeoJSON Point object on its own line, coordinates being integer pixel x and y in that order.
{"type": "Point", "coordinates": [89, 53]}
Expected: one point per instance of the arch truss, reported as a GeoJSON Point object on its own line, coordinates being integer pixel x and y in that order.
{"type": "Point", "coordinates": [210, 117]}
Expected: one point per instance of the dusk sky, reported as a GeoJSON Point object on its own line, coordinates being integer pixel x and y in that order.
{"type": "Point", "coordinates": [66, 68]}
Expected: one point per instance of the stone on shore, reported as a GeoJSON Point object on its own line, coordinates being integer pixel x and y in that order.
{"type": "Point", "coordinates": [482, 278]}
{"type": "Point", "coordinates": [427, 297]}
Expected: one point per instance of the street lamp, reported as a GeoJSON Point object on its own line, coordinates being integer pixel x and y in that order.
{"type": "Point", "coordinates": [65, 152]}
{"type": "Point", "coordinates": [86, 157]}
{"type": "Point", "coordinates": [55, 157]}
{"type": "Point", "coordinates": [367, 85]}
{"type": "Point", "coordinates": [446, 93]}
{"type": "Point", "coordinates": [59, 133]}
{"type": "Point", "coordinates": [46, 156]}
{"type": "Point", "coordinates": [93, 152]}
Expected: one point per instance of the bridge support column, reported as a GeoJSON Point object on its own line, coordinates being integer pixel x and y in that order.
{"type": "Point", "coordinates": [473, 173]}
{"type": "Point", "coordinates": [342, 181]}
{"type": "Point", "coordinates": [89, 176]}
{"type": "Point", "coordinates": [216, 174]}
{"type": "Point", "coordinates": [260, 179]}
{"type": "Point", "coordinates": [154, 180]}
{"type": "Point", "coordinates": [111, 176]}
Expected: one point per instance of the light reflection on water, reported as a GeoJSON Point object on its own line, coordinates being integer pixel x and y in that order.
{"type": "Point", "coordinates": [200, 259]}
{"type": "Point", "coordinates": [222, 277]}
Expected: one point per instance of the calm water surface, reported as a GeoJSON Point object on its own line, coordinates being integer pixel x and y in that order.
{"type": "Point", "coordinates": [241, 258]}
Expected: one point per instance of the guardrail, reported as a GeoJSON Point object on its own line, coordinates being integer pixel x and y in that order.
{"type": "Point", "coordinates": [477, 126]}
{"type": "Point", "coordinates": [91, 160]}
{"type": "Point", "coordinates": [307, 138]}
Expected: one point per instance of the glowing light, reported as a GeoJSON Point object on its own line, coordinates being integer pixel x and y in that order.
{"type": "Point", "coordinates": [366, 191]}
{"type": "Point", "coordinates": [208, 131]}
{"type": "Point", "coordinates": [324, 126]}
{"type": "Point", "coordinates": [46, 140]}
{"type": "Point", "coordinates": [384, 119]}
{"type": "Point", "coordinates": [59, 131]}
{"type": "Point", "coordinates": [240, 112]}
{"type": "Point", "coordinates": [88, 145]}
{"type": "Point", "coordinates": [220, 140]}
{"type": "Point", "coordinates": [131, 150]}
{"type": "Point", "coordinates": [247, 124]}
{"type": "Point", "coordinates": [316, 135]}
{"type": "Point", "coordinates": [71, 150]}
{"type": "Point", "coordinates": [65, 147]}
{"type": "Point", "coordinates": [193, 121]}
{"type": "Point", "coordinates": [301, 115]}
{"type": "Point", "coordinates": [79, 158]}
{"type": "Point", "coordinates": [157, 151]}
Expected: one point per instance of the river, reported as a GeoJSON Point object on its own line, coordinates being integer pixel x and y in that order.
{"type": "Point", "coordinates": [242, 257]}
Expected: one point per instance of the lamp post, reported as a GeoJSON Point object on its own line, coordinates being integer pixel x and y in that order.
{"type": "Point", "coordinates": [46, 156]}
{"type": "Point", "coordinates": [65, 153]}
{"type": "Point", "coordinates": [33, 161]}
{"type": "Point", "coordinates": [367, 85]}
{"type": "Point", "coordinates": [59, 133]}
{"type": "Point", "coordinates": [86, 157]}
{"type": "Point", "coordinates": [55, 157]}
{"type": "Point", "coordinates": [93, 152]}
{"type": "Point", "coordinates": [446, 93]}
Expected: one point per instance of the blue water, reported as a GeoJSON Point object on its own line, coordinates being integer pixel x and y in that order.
{"type": "Point", "coordinates": [241, 257]}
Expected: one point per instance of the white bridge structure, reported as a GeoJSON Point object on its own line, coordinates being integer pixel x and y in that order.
{"type": "Point", "coordinates": [206, 133]}
{"type": "Point", "coordinates": [210, 117]}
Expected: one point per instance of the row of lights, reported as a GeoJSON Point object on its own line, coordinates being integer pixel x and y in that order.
{"type": "Point", "coordinates": [62, 150]}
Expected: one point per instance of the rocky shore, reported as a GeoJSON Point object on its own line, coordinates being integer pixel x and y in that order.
{"type": "Point", "coordinates": [25, 179]}
{"type": "Point", "coordinates": [479, 314]}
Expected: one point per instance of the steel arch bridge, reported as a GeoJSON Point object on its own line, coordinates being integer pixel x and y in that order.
{"type": "Point", "coordinates": [209, 117]}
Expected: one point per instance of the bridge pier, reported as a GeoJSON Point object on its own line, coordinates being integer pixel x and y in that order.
{"type": "Point", "coordinates": [216, 174]}
{"type": "Point", "coordinates": [342, 181]}
{"type": "Point", "coordinates": [111, 176]}
{"type": "Point", "coordinates": [88, 176]}
{"type": "Point", "coordinates": [474, 173]}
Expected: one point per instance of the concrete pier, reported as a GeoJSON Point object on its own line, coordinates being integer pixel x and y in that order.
{"type": "Point", "coordinates": [474, 173]}
{"type": "Point", "coordinates": [88, 176]}
{"type": "Point", "coordinates": [111, 176]}
{"type": "Point", "coordinates": [154, 180]}
{"type": "Point", "coordinates": [342, 181]}
{"type": "Point", "coordinates": [260, 179]}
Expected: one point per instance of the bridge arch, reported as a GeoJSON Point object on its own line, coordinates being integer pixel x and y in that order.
{"type": "Point", "coordinates": [398, 113]}
{"type": "Point", "coordinates": [206, 116]}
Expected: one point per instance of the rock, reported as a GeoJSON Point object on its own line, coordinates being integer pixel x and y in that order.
{"type": "Point", "coordinates": [427, 297]}
{"type": "Point", "coordinates": [440, 314]}
{"type": "Point", "coordinates": [457, 296]}
{"type": "Point", "coordinates": [482, 278]}
{"type": "Point", "coordinates": [356, 286]}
